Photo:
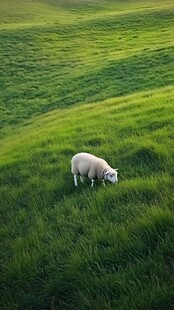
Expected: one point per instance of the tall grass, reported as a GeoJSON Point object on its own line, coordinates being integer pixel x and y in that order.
{"type": "Point", "coordinates": [81, 248]}
{"type": "Point", "coordinates": [85, 76]}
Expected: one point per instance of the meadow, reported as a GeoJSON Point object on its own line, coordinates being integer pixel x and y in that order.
{"type": "Point", "coordinates": [94, 76]}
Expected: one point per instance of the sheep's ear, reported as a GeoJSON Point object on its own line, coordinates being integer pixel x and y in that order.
{"type": "Point", "coordinates": [116, 169]}
{"type": "Point", "coordinates": [107, 172]}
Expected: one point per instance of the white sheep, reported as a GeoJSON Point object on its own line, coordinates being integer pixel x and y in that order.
{"type": "Point", "coordinates": [85, 164]}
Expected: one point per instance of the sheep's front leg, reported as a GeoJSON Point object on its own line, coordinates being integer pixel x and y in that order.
{"type": "Point", "coordinates": [75, 180]}
{"type": "Point", "coordinates": [82, 179]}
{"type": "Point", "coordinates": [92, 182]}
{"type": "Point", "coordinates": [104, 183]}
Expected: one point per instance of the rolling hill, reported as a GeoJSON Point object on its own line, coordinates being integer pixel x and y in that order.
{"type": "Point", "coordinates": [93, 76]}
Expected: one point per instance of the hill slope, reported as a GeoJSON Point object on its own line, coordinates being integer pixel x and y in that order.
{"type": "Point", "coordinates": [95, 76]}
{"type": "Point", "coordinates": [68, 248]}
{"type": "Point", "coordinates": [77, 55]}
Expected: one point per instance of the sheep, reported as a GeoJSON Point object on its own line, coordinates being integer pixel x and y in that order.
{"type": "Point", "coordinates": [85, 164]}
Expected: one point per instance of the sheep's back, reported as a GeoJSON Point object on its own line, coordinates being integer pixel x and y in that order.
{"type": "Point", "coordinates": [89, 165]}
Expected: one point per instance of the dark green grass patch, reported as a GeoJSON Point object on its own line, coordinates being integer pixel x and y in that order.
{"type": "Point", "coordinates": [122, 264]}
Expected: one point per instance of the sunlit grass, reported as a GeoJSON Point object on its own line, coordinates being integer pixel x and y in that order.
{"type": "Point", "coordinates": [84, 60]}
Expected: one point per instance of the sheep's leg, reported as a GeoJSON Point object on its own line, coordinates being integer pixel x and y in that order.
{"type": "Point", "coordinates": [104, 183]}
{"type": "Point", "coordinates": [75, 180]}
{"type": "Point", "coordinates": [92, 182]}
{"type": "Point", "coordinates": [82, 179]}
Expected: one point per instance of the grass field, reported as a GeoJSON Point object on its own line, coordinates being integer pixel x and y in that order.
{"type": "Point", "coordinates": [93, 76]}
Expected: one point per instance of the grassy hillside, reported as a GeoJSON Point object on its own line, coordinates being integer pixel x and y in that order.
{"type": "Point", "coordinates": [75, 57]}
{"type": "Point", "coordinates": [93, 76]}
{"type": "Point", "coordinates": [106, 248]}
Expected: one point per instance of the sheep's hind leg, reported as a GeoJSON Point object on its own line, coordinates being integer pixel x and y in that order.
{"type": "Point", "coordinates": [82, 179]}
{"type": "Point", "coordinates": [75, 180]}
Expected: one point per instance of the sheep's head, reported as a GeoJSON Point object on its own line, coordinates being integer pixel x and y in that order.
{"type": "Point", "coordinates": [112, 175]}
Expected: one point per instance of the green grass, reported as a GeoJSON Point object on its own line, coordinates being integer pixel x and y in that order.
{"type": "Point", "coordinates": [99, 56]}
{"type": "Point", "coordinates": [93, 76]}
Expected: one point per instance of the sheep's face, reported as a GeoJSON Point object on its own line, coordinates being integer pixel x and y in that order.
{"type": "Point", "coordinates": [112, 176]}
